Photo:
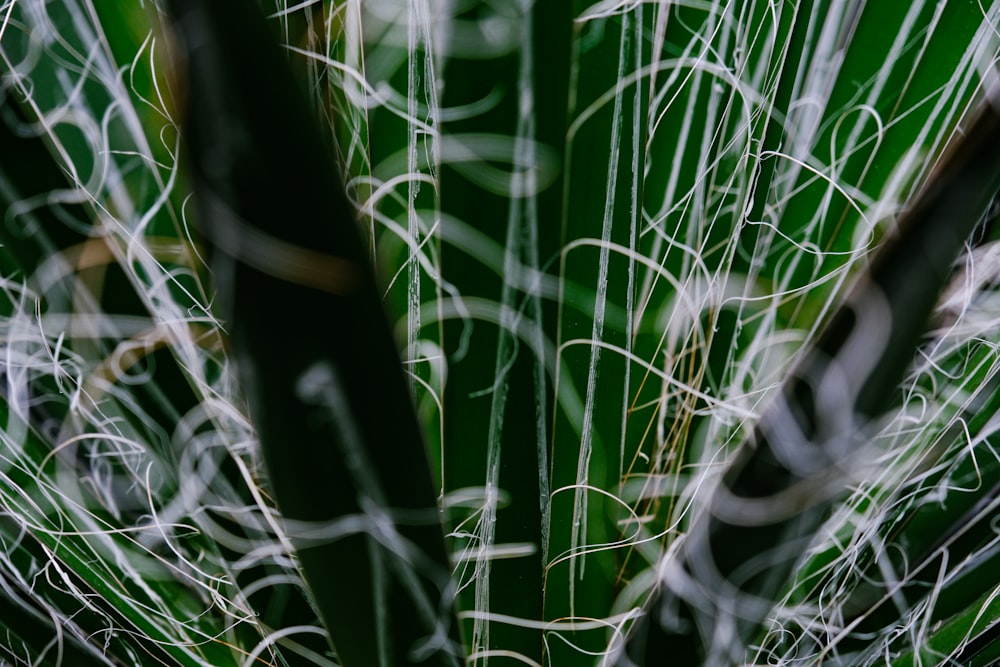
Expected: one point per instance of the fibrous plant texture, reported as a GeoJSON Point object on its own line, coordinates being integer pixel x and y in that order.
{"type": "Point", "coordinates": [607, 238]}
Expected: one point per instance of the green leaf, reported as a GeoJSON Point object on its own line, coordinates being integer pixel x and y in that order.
{"type": "Point", "coordinates": [605, 233]}
{"type": "Point", "coordinates": [747, 544]}
{"type": "Point", "coordinates": [119, 400]}
{"type": "Point", "coordinates": [343, 450]}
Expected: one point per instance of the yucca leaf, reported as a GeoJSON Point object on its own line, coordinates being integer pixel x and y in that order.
{"type": "Point", "coordinates": [606, 143]}
{"type": "Point", "coordinates": [88, 592]}
{"type": "Point", "coordinates": [968, 639]}
{"type": "Point", "coordinates": [710, 175]}
{"type": "Point", "coordinates": [343, 450]}
{"type": "Point", "coordinates": [35, 621]}
{"type": "Point", "coordinates": [499, 384]}
{"type": "Point", "coordinates": [736, 557]}
{"type": "Point", "coordinates": [945, 526]}
{"type": "Point", "coordinates": [35, 233]}
{"type": "Point", "coordinates": [54, 247]}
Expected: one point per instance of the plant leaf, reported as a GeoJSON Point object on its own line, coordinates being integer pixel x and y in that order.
{"type": "Point", "coordinates": [780, 486]}
{"type": "Point", "coordinates": [341, 442]}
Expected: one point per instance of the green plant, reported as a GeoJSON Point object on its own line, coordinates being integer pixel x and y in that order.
{"type": "Point", "coordinates": [610, 234]}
